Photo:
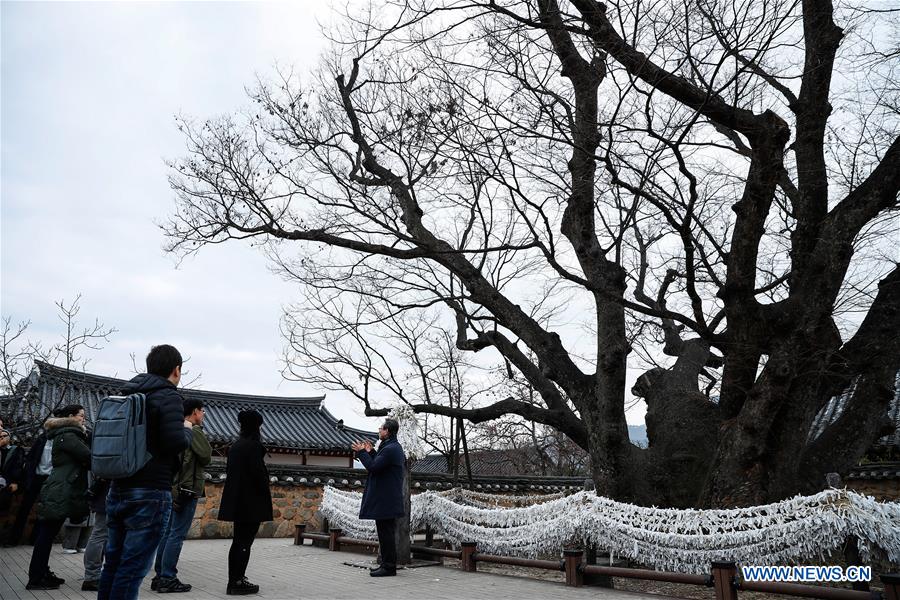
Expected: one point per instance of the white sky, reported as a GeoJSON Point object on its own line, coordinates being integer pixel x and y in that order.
{"type": "Point", "coordinates": [89, 92]}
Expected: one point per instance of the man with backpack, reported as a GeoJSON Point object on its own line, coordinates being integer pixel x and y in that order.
{"type": "Point", "coordinates": [188, 488]}
{"type": "Point", "coordinates": [138, 506]}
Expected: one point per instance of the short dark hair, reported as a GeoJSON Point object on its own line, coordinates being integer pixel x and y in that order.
{"type": "Point", "coordinates": [163, 359]}
{"type": "Point", "coordinates": [392, 427]}
{"type": "Point", "coordinates": [69, 410]}
{"type": "Point", "coordinates": [190, 405]}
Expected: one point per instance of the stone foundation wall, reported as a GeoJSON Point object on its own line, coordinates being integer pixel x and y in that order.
{"type": "Point", "coordinates": [290, 506]}
{"type": "Point", "coordinates": [885, 490]}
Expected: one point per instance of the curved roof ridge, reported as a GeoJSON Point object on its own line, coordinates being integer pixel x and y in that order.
{"type": "Point", "coordinates": [335, 419]}
{"type": "Point", "coordinates": [104, 381]}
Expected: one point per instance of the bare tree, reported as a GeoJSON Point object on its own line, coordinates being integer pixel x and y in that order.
{"type": "Point", "coordinates": [18, 355]}
{"type": "Point", "coordinates": [690, 183]}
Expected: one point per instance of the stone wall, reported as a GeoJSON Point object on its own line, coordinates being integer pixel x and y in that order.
{"type": "Point", "coordinates": [885, 490]}
{"type": "Point", "coordinates": [880, 479]}
{"type": "Point", "coordinates": [297, 494]}
{"type": "Point", "coordinates": [290, 506]}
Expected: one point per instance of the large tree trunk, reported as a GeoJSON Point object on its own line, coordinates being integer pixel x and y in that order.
{"type": "Point", "coordinates": [682, 427]}
{"type": "Point", "coordinates": [403, 533]}
{"type": "Point", "coordinates": [764, 452]}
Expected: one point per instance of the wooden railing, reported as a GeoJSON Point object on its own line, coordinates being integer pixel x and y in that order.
{"type": "Point", "coordinates": [723, 576]}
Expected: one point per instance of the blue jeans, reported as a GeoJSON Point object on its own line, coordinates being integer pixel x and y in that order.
{"type": "Point", "coordinates": [170, 545]}
{"type": "Point", "coordinates": [135, 521]}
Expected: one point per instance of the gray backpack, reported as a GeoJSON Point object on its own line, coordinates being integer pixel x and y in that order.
{"type": "Point", "coordinates": [119, 445]}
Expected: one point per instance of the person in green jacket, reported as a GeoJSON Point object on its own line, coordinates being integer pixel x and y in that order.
{"type": "Point", "coordinates": [64, 494]}
{"type": "Point", "coordinates": [188, 489]}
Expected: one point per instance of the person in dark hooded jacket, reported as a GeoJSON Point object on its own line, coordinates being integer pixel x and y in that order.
{"type": "Point", "coordinates": [138, 507]}
{"type": "Point", "coordinates": [246, 499]}
{"type": "Point", "coordinates": [64, 493]}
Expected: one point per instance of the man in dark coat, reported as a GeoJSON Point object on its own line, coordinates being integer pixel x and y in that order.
{"type": "Point", "coordinates": [383, 497]}
{"type": "Point", "coordinates": [138, 507]}
{"type": "Point", "coordinates": [188, 488]}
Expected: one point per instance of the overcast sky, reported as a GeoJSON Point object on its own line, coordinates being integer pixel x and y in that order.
{"type": "Point", "coordinates": [89, 94]}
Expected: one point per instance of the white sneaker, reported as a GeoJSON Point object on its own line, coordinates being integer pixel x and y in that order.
{"type": "Point", "coordinates": [70, 551]}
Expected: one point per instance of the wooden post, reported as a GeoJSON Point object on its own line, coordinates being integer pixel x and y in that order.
{"type": "Point", "coordinates": [891, 583]}
{"type": "Point", "coordinates": [299, 529]}
{"type": "Point", "coordinates": [590, 558]}
{"type": "Point", "coordinates": [851, 545]}
{"type": "Point", "coordinates": [574, 575]}
{"type": "Point", "coordinates": [429, 542]}
{"type": "Point", "coordinates": [324, 526]}
{"type": "Point", "coordinates": [724, 574]}
{"type": "Point", "coordinates": [333, 543]}
{"type": "Point", "coordinates": [467, 562]}
{"type": "Point", "coordinates": [853, 557]}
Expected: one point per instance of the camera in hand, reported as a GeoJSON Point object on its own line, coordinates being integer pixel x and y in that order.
{"type": "Point", "coordinates": [185, 495]}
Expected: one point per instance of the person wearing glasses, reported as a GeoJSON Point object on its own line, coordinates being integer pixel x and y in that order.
{"type": "Point", "coordinates": [383, 497]}
{"type": "Point", "coordinates": [189, 487]}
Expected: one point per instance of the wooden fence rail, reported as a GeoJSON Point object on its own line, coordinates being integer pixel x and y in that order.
{"type": "Point", "coordinates": [723, 576]}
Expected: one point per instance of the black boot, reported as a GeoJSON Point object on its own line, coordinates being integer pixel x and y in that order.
{"type": "Point", "coordinates": [90, 586]}
{"type": "Point", "coordinates": [44, 584]}
{"type": "Point", "coordinates": [241, 587]}
{"type": "Point", "coordinates": [383, 571]}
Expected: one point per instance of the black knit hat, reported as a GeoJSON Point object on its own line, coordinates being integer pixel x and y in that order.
{"type": "Point", "coordinates": [250, 419]}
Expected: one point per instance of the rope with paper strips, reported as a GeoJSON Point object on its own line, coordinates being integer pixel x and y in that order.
{"type": "Point", "coordinates": [687, 541]}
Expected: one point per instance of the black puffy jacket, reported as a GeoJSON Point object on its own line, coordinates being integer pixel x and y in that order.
{"type": "Point", "coordinates": [167, 437]}
{"type": "Point", "coordinates": [64, 495]}
{"type": "Point", "coordinates": [246, 496]}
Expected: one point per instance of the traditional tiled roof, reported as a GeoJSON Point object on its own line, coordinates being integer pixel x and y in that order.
{"type": "Point", "coordinates": [484, 463]}
{"type": "Point", "coordinates": [879, 470]}
{"type": "Point", "coordinates": [343, 477]}
{"type": "Point", "coordinates": [291, 424]}
{"type": "Point", "coordinates": [834, 408]}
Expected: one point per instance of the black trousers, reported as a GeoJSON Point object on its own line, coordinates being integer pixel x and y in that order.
{"type": "Point", "coordinates": [28, 499]}
{"type": "Point", "coordinates": [387, 543]}
{"type": "Point", "coordinates": [43, 543]}
{"type": "Point", "coordinates": [239, 554]}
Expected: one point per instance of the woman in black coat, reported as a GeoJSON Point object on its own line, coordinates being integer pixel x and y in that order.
{"type": "Point", "coordinates": [246, 499]}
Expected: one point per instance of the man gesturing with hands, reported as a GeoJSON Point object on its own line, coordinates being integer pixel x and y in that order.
{"type": "Point", "coordinates": [383, 497]}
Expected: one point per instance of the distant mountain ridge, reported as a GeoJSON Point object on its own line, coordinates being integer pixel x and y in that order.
{"type": "Point", "coordinates": [638, 435]}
